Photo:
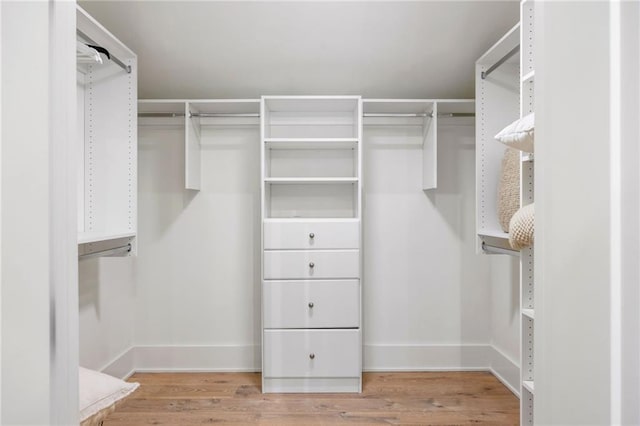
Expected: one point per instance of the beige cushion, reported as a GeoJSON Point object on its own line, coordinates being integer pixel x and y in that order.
{"type": "Point", "coordinates": [98, 394]}
{"type": "Point", "coordinates": [521, 228]}
{"type": "Point", "coordinates": [519, 134]}
{"type": "Point", "coordinates": [509, 188]}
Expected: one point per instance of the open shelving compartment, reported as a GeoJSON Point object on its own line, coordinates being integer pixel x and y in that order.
{"type": "Point", "coordinates": [315, 199]}
{"type": "Point", "coordinates": [415, 116]}
{"type": "Point", "coordinates": [498, 105]}
{"type": "Point", "coordinates": [107, 143]}
{"type": "Point", "coordinates": [311, 157]}
{"type": "Point", "coordinates": [418, 117]}
{"type": "Point", "coordinates": [193, 115]}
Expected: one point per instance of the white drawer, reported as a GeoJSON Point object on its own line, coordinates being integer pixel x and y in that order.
{"type": "Point", "coordinates": [311, 304]}
{"type": "Point", "coordinates": [311, 235]}
{"type": "Point", "coordinates": [311, 264]}
{"type": "Point", "coordinates": [312, 353]}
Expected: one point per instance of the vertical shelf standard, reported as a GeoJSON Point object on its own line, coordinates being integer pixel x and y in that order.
{"type": "Point", "coordinates": [527, 281]}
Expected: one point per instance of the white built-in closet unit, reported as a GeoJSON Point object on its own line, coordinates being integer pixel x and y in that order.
{"type": "Point", "coordinates": [312, 268]}
{"type": "Point", "coordinates": [107, 142]}
{"type": "Point", "coordinates": [311, 215]}
{"type": "Point", "coordinates": [505, 92]}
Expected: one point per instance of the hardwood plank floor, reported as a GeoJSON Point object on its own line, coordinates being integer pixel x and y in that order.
{"type": "Point", "coordinates": [446, 398]}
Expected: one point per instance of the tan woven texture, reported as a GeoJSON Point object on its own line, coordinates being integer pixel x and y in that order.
{"type": "Point", "coordinates": [509, 188]}
{"type": "Point", "coordinates": [98, 418]}
{"type": "Point", "coordinates": [521, 228]}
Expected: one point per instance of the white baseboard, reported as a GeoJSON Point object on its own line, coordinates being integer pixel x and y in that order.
{"type": "Point", "coordinates": [123, 366]}
{"type": "Point", "coordinates": [426, 357]}
{"type": "Point", "coordinates": [376, 358]}
{"type": "Point", "coordinates": [198, 358]}
{"type": "Point", "coordinates": [506, 370]}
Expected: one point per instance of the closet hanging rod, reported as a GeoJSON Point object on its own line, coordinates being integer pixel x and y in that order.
{"type": "Point", "coordinates": [224, 114]}
{"type": "Point", "coordinates": [107, 252]}
{"type": "Point", "coordinates": [160, 114]}
{"type": "Point", "coordinates": [498, 250]}
{"type": "Point", "coordinates": [121, 64]}
{"type": "Point", "coordinates": [256, 114]}
{"type": "Point", "coordinates": [505, 58]}
{"type": "Point", "coordinates": [419, 114]}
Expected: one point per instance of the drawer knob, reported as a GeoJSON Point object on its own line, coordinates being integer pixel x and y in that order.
{"type": "Point", "coordinates": [311, 304]}
{"type": "Point", "coordinates": [312, 235]}
{"type": "Point", "coordinates": [311, 264]}
{"type": "Point", "coordinates": [312, 356]}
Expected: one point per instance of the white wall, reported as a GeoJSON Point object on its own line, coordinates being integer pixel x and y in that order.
{"type": "Point", "coordinates": [629, 15]}
{"type": "Point", "coordinates": [106, 288]}
{"type": "Point", "coordinates": [198, 268]}
{"type": "Point", "coordinates": [25, 217]}
{"type": "Point", "coordinates": [426, 291]}
{"type": "Point", "coordinates": [577, 207]}
{"type": "Point", "coordinates": [505, 318]}
{"type": "Point", "coordinates": [39, 299]}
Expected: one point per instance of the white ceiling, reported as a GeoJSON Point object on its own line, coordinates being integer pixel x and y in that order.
{"type": "Point", "coordinates": [238, 49]}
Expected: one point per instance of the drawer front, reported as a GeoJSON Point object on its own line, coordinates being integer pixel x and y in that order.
{"type": "Point", "coordinates": [312, 235]}
{"type": "Point", "coordinates": [311, 264]}
{"type": "Point", "coordinates": [312, 353]}
{"type": "Point", "coordinates": [311, 304]}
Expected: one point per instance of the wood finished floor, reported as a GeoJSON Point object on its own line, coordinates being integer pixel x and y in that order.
{"type": "Point", "coordinates": [387, 398]}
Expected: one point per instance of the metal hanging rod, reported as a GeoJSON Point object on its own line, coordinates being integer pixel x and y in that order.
{"type": "Point", "coordinates": [397, 114]}
{"type": "Point", "coordinates": [224, 114]}
{"type": "Point", "coordinates": [419, 114]}
{"type": "Point", "coordinates": [498, 250]}
{"type": "Point", "coordinates": [107, 252]}
{"type": "Point", "coordinates": [121, 64]}
{"type": "Point", "coordinates": [197, 114]}
{"type": "Point", "coordinates": [160, 114]}
{"type": "Point", "coordinates": [256, 114]}
{"type": "Point", "coordinates": [456, 114]}
{"type": "Point", "coordinates": [505, 58]}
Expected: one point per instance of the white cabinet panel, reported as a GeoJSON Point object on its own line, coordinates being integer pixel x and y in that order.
{"type": "Point", "coordinates": [311, 304]}
{"type": "Point", "coordinates": [311, 264]}
{"type": "Point", "coordinates": [312, 353]}
{"type": "Point", "coordinates": [312, 235]}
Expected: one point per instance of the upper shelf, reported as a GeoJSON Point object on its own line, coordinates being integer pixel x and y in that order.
{"type": "Point", "coordinates": [302, 104]}
{"type": "Point", "coordinates": [311, 117]}
{"type": "Point", "coordinates": [315, 180]}
{"type": "Point", "coordinates": [311, 143]}
{"type": "Point", "coordinates": [503, 46]}
{"type": "Point", "coordinates": [94, 237]}
{"type": "Point", "coordinates": [226, 106]}
{"type": "Point", "coordinates": [397, 106]}
{"type": "Point", "coordinates": [529, 77]}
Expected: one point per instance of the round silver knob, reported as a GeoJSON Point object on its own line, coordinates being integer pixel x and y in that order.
{"type": "Point", "coordinates": [311, 304]}
{"type": "Point", "coordinates": [311, 264]}
{"type": "Point", "coordinates": [312, 235]}
{"type": "Point", "coordinates": [312, 356]}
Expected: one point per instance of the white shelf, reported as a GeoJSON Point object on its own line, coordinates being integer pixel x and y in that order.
{"type": "Point", "coordinates": [397, 106]}
{"type": "Point", "coordinates": [307, 219]}
{"type": "Point", "coordinates": [528, 385]}
{"type": "Point", "coordinates": [528, 77]}
{"type": "Point", "coordinates": [493, 234]}
{"type": "Point", "coordinates": [526, 157]}
{"type": "Point", "coordinates": [92, 237]}
{"type": "Point", "coordinates": [313, 180]}
{"type": "Point", "coordinates": [225, 106]}
{"type": "Point", "coordinates": [311, 143]}
{"type": "Point", "coordinates": [530, 313]}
